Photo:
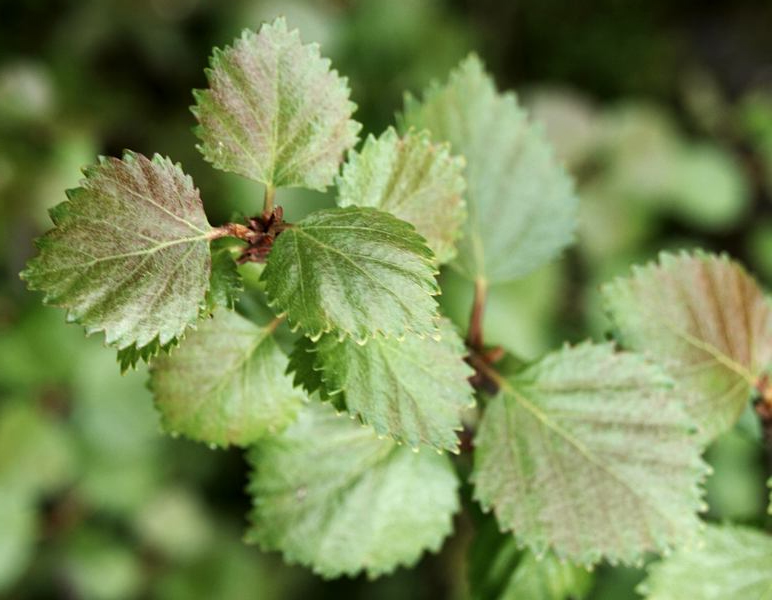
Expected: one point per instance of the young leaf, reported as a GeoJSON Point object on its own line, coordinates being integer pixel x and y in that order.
{"type": "Point", "coordinates": [414, 180]}
{"type": "Point", "coordinates": [302, 364]}
{"type": "Point", "coordinates": [332, 496]}
{"type": "Point", "coordinates": [359, 271]}
{"type": "Point", "coordinates": [274, 111]}
{"type": "Point", "coordinates": [707, 321]}
{"type": "Point", "coordinates": [734, 562]}
{"type": "Point", "coordinates": [522, 208]}
{"type": "Point", "coordinates": [588, 452]}
{"type": "Point", "coordinates": [225, 384]}
{"type": "Point", "coordinates": [129, 253]}
{"type": "Point", "coordinates": [225, 283]}
{"type": "Point", "coordinates": [413, 390]}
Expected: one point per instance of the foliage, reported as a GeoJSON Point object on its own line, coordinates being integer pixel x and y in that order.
{"type": "Point", "coordinates": [258, 331]}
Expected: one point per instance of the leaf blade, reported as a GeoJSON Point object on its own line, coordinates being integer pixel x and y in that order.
{"type": "Point", "coordinates": [414, 180]}
{"type": "Point", "coordinates": [569, 461]}
{"type": "Point", "coordinates": [354, 270]}
{"type": "Point", "coordinates": [129, 252]}
{"type": "Point", "coordinates": [706, 320]}
{"type": "Point", "coordinates": [238, 398]}
{"type": "Point", "coordinates": [520, 201]}
{"type": "Point", "coordinates": [332, 496]}
{"type": "Point", "coordinates": [734, 562]}
{"type": "Point", "coordinates": [274, 111]}
{"type": "Point", "coordinates": [413, 390]}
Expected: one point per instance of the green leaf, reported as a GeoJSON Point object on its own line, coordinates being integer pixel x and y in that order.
{"type": "Point", "coordinates": [225, 284]}
{"type": "Point", "coordinates": [589, 452]}
{"type": "Point", "coordinates": [413, 179]}
{"type": "Point", "coordinates": [332, 496]}
{"type": "Point", "coordinates": [359, 271]}
{"type": "Point", "coordinates": [522, 208]}
{"type": "Point", "coordinates": [706, 321]}
{"type": "Point", "coordinates": [225, 384]}
{"type": "Point", "coordinates": [129, 253]}
{"type": "Point", "coordinates": [769, 485]}
{"type": "Point", "coordinates": [129, 357]}
{"type": "Point", "coordinates": [413, 390]}
{"type": "Point", "coordinates": [733, 562]}
{"type": "Point", "coordinates": [302, 365]}
{"type": "Point", "coordinates": [274, 111]}
{"type": "Point", "coordinates": [499, 570]}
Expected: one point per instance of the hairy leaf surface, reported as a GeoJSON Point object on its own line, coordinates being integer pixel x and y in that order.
{"type": "Point", "coordinates": [413, 179]}
{"type": "Point", "coordinates": [589, 452]}
{"type": "Point", "coordinates": [357, 270]}
{"type": "Point", "coordinates": [707, 321]}
{"type": "Point", "coordinates": [522, 208]}
{"type": "Point", "coordinates": [413, 389]}
{"type": "Point", "coordinates": [330, 495]}
{"type": "Point", "coordinates": [225, 384]}
{"type": "Point", "coordinates": [274, 111]}
{"type": "Point", "coordinates": [129, 252]}
{"type": "Point", "coordinates": [733, 562]}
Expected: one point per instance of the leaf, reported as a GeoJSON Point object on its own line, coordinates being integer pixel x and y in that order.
{"type": "Point", "coordinates": [734, 562]}
{"type": "Point", "coordinates": [225, 384]}
{"type": "Point", "coordinates": [129, 253]}
{"type": "Point", "coordinates": [413, 179]}
{"type": "Point", "coordinates": [499, 570]}
{"type": "Point", "coordinates": [769, 485]}
{"type": "Point", "coordinates": [522, 208]}
{"type": "Point", "coordinates": [413, 390]}
{"type": "Point", "coordinates": [302, 365]}
{"type": "Point", "coordinates": [332, 496]}
{"type": "Point", "coordinates": [274, 111]}
{"type": "Point", "coordinates": [706, 320]}
{"type": "Point", "coordinates": [359, 271]}
{"type": "Point", "coordinates": [588, 452]}
{"type": "Point", "coordinates": [225, 284]}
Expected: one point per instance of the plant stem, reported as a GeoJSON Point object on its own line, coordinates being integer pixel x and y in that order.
{"type": "Point", "coordinates": [763, 408]}
{"type": "Point", "coordinates": [236, 230]}
{"type": "Point", "coordinates": [474, 337]}
{"type": "Point", "coordinates": [270, 194]}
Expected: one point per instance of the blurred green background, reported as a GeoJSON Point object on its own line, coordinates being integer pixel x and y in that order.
{"type": "Point", "coordinates": [662, 110]}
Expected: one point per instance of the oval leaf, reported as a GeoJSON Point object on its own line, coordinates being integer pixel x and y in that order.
{"type": "Point", "coordinates": [522, 208]}
{"type": "Point", "coordinates": [413, 179]}
{"type": "Point", "coordinates": [588, 452]}
{"type": "Point", "coordinates": [274, 111]}
{"type": "Point", "coordinates": [225, 384]}
{"type": "Point", "coordinates": [129, 253]}
{"type": "Point", "coordinates": [413, 390]}
{"type": "Point", "coordinates": [707, 321]}
{"type": "Point", "coordinates": [356, 270]}
{"type": "Point", "coordinates": [332, 496]}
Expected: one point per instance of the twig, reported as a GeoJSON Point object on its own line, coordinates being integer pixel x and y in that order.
{"type": "Point", "coordinates": [474, 337]}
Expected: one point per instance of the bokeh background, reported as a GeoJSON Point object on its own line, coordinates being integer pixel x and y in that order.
{"type": "Point", "coordinates": [662, 111]}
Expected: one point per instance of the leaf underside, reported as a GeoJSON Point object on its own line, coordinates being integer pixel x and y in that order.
{"type": "Point", "coordinates": [128, 254]}
{"type": "Point", "coordinates": [733, 562]}
{"type": "Point", "coordinates": [274, 111]}
{"type": "Point", "coordinates": [413, 390]}
{"type": "Point", "coordinates": [413, 179]}
{"type": "Point", "coordinates": [589, 452]}
{"type": "Point", "coordinates": [358, 271]}
{"type": "Point", "coordinates": [521, 204]}
{"type": "Point", "coordinates": [332, 496]}
{"type": "Point", "coordinates": [225, 384]}
{"type": "Point", "coordinates": [706, 320]}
